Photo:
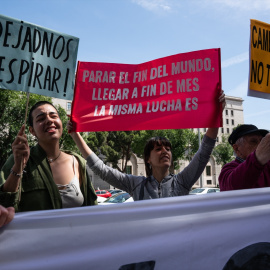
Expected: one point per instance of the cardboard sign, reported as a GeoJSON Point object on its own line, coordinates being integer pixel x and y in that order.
{"type": "Point", "coordinates": [259, 68]}
{"type": "Point", "coordinates": [178, 91]}
{"type": "Point", "coordinates": [36, 60]}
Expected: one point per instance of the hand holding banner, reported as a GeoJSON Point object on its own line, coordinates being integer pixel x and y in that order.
{"type": "Point", "coordinates": [178, 91]}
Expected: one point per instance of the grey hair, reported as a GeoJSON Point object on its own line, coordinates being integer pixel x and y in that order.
{"type": "Point", "coordinates": [240, 141]}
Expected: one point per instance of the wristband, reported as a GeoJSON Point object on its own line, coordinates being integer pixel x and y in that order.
{"type": "Point", "coordinates": [15, 174]}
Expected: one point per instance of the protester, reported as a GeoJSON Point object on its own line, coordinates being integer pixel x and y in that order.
{"type": "Point", "coordinates": [158, 159]}
{"type": "Point", "coordinates": [6, 215]}
{"type": "Point", "coordinates": [51, 178]}
{"type": "Point", "coordinates": [251, 168]}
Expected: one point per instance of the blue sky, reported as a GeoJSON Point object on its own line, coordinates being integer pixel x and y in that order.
{"type": "Point", "coordinates": [137, 31]}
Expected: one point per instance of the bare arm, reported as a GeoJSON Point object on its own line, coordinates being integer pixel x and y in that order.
{"type": "Point", "coordinates": [78, 139]}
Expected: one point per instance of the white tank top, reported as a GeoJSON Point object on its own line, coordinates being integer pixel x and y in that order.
{"type": "Point", "coordinates": [71, 194]}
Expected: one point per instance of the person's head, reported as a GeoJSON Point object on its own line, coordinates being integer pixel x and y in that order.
{"type": "Point", "coordinates": [157, 152]}
{"type": "Point", "coordinates": [245, 139]}
{"type": "Point", "coordinates": [44, 119]}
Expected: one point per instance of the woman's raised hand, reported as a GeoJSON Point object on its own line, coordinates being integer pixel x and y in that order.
{"type": "Point", "coordinates": [69, 126]}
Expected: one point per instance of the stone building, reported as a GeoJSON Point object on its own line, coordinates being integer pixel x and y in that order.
{"type": "Point", "coordinates": [232, 116]}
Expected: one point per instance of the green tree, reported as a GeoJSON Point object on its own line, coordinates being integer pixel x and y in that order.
{"type": "Point", "coordinates": [183, 141]}
{"type": "Point", "coordinates": [113, 145]}
{"type": "Point", "coordinates": [223, 152]}
{"type": "Point", "coordinates": [12, 116]}
{"type": "Point", "coordinates": [66, 142]}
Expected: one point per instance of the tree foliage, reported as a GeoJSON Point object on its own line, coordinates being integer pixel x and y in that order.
{"type": "Point", "coordinates": [113, 146]}
{"type": "Point", "coordinates": [184, 142]}
{"type": "Point", "coordinates": [119, 145]}
{"type": "Point", "coordinates": [66, 141]}
{"type": "Point", "coordinates": [223, 152]}
{"type": "Point", "coordinates": [12, 116]}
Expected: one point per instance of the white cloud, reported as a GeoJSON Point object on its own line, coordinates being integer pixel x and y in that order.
{"type": "Point", "coordinates": [235, 60]}
{"type": "Point", "coordinates": [154, 5]}
{"type": "Point", "coordinates": [259, 5]}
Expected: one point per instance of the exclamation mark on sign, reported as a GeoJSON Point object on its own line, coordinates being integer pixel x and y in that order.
{"type": "Point", "coordinates": [66, 82]}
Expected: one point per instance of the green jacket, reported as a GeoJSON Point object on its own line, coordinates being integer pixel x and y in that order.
{"type": "Point", "coordinates": [39, 191]}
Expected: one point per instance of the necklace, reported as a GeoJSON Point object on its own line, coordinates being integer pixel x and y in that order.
{"type": "Point", "coordinates": [50, 160]}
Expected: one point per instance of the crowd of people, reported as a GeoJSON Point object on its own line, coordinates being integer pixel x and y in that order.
{"type": "Point", "coordinates": [47, 177]}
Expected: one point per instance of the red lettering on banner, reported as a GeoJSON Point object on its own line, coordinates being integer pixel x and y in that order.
{"type": "Point", "coordinates": [178, 91]}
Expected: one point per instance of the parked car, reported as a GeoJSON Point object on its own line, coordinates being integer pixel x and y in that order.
{"type": "Point", "coordinates": [114, 191]}
{"type": "Point", "coordinates": [200, 191]}
{"type": "Point", "coordinates": [122, 197]}
{"type": "Point", "coordinates": [101, 199]}
{"type": "Point", "coordinates": [103, 193]}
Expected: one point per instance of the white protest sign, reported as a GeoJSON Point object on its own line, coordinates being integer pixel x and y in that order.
{"type": "Point", "coordinates": [212, 231]}
{"type": "Point", "coordinates": [36, 60]}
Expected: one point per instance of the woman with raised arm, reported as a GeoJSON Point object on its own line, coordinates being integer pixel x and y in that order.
{"type": "Point", "coordinates": [51, 177]}
{"type": "Point", "coordinates": [159, 182]}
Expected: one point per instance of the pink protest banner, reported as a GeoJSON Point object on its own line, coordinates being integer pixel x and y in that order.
{"type": "Point", "coordinates": [174, 92]}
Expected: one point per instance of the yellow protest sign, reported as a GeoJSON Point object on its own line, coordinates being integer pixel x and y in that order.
{"type": "Point", "coordinates": [259, 56]}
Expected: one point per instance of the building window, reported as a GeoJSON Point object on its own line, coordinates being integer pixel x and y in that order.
{"type": "Point", "coordinates": [232, 122]}
{"type": "Point", "coordinates": [226, 112]}
{"type": "Point", "coordinates": [231, 112]}
{"type": "Point", "coordinates": [129, 170]}
{"type": "Point", "coordinates": [208, 170]}
{"type": "Point", "coordinates": [227, 121]}
{"type": "Point", "coordinates": [222, 130]}
{"type": "Point", "coordinates": [217, 139]}
{"type": "Point", "coordinates": [228, 130]}
{"type": "Point", "coordinates": [68, 106]}
{"type": "Point", "coordinates": [209, 182]}
{"type": "Point", "coordinates": [204, 129]}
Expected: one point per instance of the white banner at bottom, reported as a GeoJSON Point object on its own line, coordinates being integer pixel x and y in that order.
{"type": "Point", "coordinates": [214, 231]}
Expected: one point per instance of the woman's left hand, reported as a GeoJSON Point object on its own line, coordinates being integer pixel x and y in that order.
{"type": "Point", "coordinates": [222, 100]}
{"type": "Point", "coordinates": [69, 126]}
